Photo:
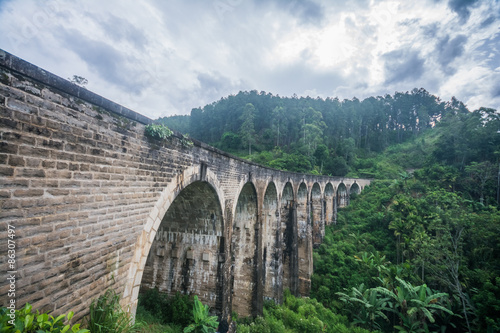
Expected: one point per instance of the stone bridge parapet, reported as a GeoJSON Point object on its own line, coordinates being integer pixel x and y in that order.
{"type": "Point", "coordinates": [96, 204]}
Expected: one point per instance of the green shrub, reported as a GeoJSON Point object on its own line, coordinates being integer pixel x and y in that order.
{"type": "Point", "coordinates": [292, 162]}
{"type": "Point", "coordinates": [230, 140]}
{"type": "Point", "coordinates": [153, 302]}
{"type": "Point", "coordinates": [145, 322]}
{"type": "Point", "coordinates": [186, 142]}
{"type": "Point", "coordinates": [175, 309]}
{"type": "Point", "coordinates": [143, 315]}
{"type": "Point", "coordinates": [180, 309]}
{"type": "Point", "coordinates": [158, 131]}
{"type": "Point", "coordinates": [258, 325]}
{"type": "Point", "coordinates": [107, 316]}
{"type": "Point", "coordinates": [145, 327]}
{"type": "Point", "coordinates": [297, 315]}
{"type": "Point", "coordinates": [24, 321]}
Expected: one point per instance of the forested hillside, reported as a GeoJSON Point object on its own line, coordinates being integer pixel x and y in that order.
{"type": "Point", "coordinates": [377, 137]}
{"type": "Point", "coordinates": [313, 135]}
{"type": "Point", "coordinates": [418, 250]}
{"type": "Point", "coordinates": [267, 121]}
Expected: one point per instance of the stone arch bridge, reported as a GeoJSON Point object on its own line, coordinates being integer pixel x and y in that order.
{"type": "Point", "coordinates": [95, 204]}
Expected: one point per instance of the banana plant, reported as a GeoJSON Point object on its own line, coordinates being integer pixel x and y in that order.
{"type": "Point", "coordinates": [417, 305]}
{"type": "Point", "coordinates": [367, 306]}
{"type": "Point", "coordinates": [203, 322]}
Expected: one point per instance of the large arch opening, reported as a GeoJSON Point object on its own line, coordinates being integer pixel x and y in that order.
{"type": "Point", "coordinates": [289, 244]}
{"type": "Point", "coordinates": [271, 247]}
{"type": "Point", "coordinates": [184, 255]}
{"type": "Point", "coordinates": [329, 204]}
{"type": "Point", "coordinates": [355, 189]}
{"type": "Point", "coordinates": [342, 196]}
{"type": "Point", "coordinates": [317, 215]}
{"type": "Point", "coordinates": [244, 252]}
{"type": "Point", "coordinates": [304, 243]}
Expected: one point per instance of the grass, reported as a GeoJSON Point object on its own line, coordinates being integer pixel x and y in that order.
{"type": "Point", "coordinates": [107, 316]}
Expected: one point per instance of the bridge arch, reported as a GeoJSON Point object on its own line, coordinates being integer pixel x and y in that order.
{"type": "Point", "coordinates": [302, 203]}
{"type": "Point", "coordinates": [244, 254]}
{"type": "Point", "coordinates": [354, 189]}
{"type": "Point", "coordinates": [342, 196]}
{"type": "Point", "coordinates": [187, 246]}
{"type": "Point", "coordinates": [170, 193]}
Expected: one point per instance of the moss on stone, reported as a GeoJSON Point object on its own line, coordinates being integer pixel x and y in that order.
{"type": "Point", "coordinates": [4, 78]}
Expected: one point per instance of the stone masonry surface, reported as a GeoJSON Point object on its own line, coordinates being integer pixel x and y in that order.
{"type": "Point", "coordinates": [96, 205]}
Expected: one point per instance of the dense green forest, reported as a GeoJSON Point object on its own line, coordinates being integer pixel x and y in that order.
{"type": "Point", "coordinates": [418, 249]}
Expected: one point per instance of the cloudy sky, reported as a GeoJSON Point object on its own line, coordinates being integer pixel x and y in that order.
{"type": "Point", "coordinates": [165, 57]}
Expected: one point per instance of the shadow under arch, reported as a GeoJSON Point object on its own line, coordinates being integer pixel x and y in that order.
{"type": "Point", "coordinates": [184, 254]}
{"type": "Point", "coordinates": [271, 247]}
{"type": "Point", "coordinates": [317, 215]}
{"type": "Point", "coordinates": [289, 243]}
{"type": "Point", "coordinates": [342, 196]}
{"type": "Point", "coordinates": [329, 204]}
{"type": "Point", "coordinates": [354, 189]}
{"type": "Point", "coordinates": [208, 182]}
{"type": "Point", "coordinates": [244, 254]}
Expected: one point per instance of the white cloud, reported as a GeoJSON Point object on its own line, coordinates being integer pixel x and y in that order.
{"type": "Point", "coordinates": [162, 58]}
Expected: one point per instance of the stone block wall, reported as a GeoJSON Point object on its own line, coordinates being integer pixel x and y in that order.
{"type": "Point", "coordinates": [96, 205]}
{"type": "Point", "coordinates": [76, 183]}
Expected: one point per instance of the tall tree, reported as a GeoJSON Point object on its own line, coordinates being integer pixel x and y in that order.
{"type": "Point", "coordinates": [312, 127]}
{"type": "Point", "coordinates": [480, 174]}
{"type": "Point", "coordinates": [247, 129]}
{"type": "Point", "coordinates": [278, 117]}
{"type": "Point", "coordinates": [321, 154]}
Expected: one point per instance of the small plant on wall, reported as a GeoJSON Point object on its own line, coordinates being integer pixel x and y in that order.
{"type": "Point", "coordinates": [185, 141]}
{"type": "Point", "coordinates": [158, 131]}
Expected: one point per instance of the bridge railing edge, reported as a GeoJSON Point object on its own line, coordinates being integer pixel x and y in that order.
{"type": "Point", "coordinates": [23, 67]}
